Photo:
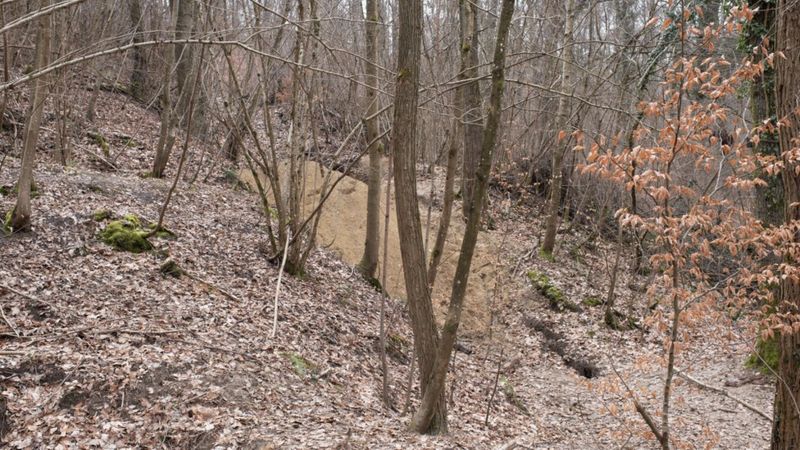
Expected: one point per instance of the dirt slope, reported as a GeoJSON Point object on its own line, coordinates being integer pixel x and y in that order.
{"type": "Point", "coordinates": [342, 229]}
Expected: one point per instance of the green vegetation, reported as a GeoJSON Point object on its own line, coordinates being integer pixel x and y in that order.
{"type": "Point", "coordinates": [300, 365]}
{"type": "Point", "coordinates": [101, 215]}
{"type": "Point", "coordinates": [127, 234]}
{"type": "Point", "coordinates": [101, 142]}
{"type": "Point", "coordinates": [5, 226]}
{"type": "Point", "coordinates": [511, 394]}
{"type": "Point", "coordinates": [592, 301]}
{"type": "Point", "coordinates": [765, 358]}
{"type": "Point", "coordinates": [547, 256]}
{"type": "Point", "coordinates": [171, 268]}
{"type": "Point", "coordinates": [558, 300]}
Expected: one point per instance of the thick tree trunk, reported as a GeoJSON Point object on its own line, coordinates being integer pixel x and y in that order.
{"type": "Point", "coordinates": [21, 218]}
{"type": "Point", "coordinates": [404, 139]}
{"type": "Point", "coordinates": [786, 427]}
{"type": "Point", "coordinates": [369, 262]}
{"type": "Point", "coordinates": [760, 30]}
{"type": "Point", "coordinates": [471, 92]}
{"type": "Point", "coordinates": [435, 388]}
{"type": "Point", "coordinates": [556, 180]}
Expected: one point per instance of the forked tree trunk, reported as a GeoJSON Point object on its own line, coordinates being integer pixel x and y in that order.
{"type": "Point", "coordinates": [786, 427]}
{"type": "Point", "coordinates": [562, 117]}
{"type": "Point", "coordinates": [404, 139]}
{"type": "Point", "coordinates": [21, 218]}
{"type": "Point", "coordinates": [369, 262]}
{"type": "Point", "coordinates": [435, 387]}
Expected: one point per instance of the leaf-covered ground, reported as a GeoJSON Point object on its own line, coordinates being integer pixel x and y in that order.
{"type": "Point", "coordinates": [98, 348]}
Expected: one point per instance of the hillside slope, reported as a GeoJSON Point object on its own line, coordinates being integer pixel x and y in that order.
{"type": "Point", "coordinates": [99, 348]}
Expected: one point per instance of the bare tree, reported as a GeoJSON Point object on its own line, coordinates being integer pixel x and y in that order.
{"type": "Point", "coordinates": [404, 132]}
{"type": "Point", "coordinates": [369, 262]}
{"type": "Point", "coordinates": [21, 218]}
{"type": "Point", "coordinates": [471, 95]}
{"type": "Point", "coordinates": [562, 140]}
{"type": "Point", "coordinates": [424, 417]}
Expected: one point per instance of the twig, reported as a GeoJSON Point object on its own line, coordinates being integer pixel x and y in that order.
{"type": "Point", "coordinates": [494, 389]}
{"type": "Point", "coordinates": [103, 160]}
{"type": "Point", "coordinates": [25, 296]}
{"type": "Point", "coordinates": [212, 285]}
{"type": "Point", "coordinates": [10, 325]}
{"type": "Point", "coordinates": [278, 285]}
{"type": "Point", "coordinates": [723, 393]}
{"type": "Point", "coordinates": [648, 419]}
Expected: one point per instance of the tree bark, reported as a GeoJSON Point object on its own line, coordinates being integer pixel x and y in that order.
{"type": "Point", "coordinates": [21, 217]}
{"type": "Point", "coordinates": [471, 92]}
{"type": "Point", "coordinates": [369, 262]}
{"type": "Point", "coordinates": [554, 202]}
{"type": "Point", "coordinates": [786, 427]}
{"type": "Point", "coordinates": [423, 323]}
{"type": "Point", "coordinates": [139, 72]}
{"type": "Point", "coordinates": [761, 29]}
{"type": "Point", "coordinates": [435, 389]}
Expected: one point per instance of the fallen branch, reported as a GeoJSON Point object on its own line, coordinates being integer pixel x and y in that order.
{"type": "Point", "coordinates": [8, 322]}
{"type": "Point", "coordinates": [278, 286]}
{"type": "Point", "coordinates": [723, 393]}
{"type": "Point", "coordinates": [214, 286]}
{"type": "Point", "coordinates": [4, 287]}
{"type": "Point", "coordinates": [648, 419]}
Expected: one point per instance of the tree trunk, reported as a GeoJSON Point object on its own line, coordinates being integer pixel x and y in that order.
{"type": "Point", "coordinates": [554, 203]}
{"type": "Point", "coordinates": [184, 54]}
{"type": "Point", "coordinates": [473, 128]}
{"type": "Point", "coordinates": [449, 196]}
{"type": "Point", "coordinates": [369, 262]}
{"type": "Point", "coordinates": [165, 138]}
{"type": "Point", "coordinates": [435, 389]}
{"type": "Point", "coordinates": [786, 427]}
{"type": "Point", "coordinates": [423, 323]}
{"type": "Point", "coordinates": [769, 206]}
{"type": "Point", "coordinates": [139, 72]}
{"type": "Point", "coordinates": [21, 218]}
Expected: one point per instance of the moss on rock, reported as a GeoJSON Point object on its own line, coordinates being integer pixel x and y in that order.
{"type": "Point", "coordinates": [171, 268]}
{"type": "Point", "coordinates": [558, 301]}
{"type": "Point", "coordinates": [126, 234]}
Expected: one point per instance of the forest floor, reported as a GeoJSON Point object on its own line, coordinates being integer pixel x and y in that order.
{"type": "Point", "coordinates": [99, 348]}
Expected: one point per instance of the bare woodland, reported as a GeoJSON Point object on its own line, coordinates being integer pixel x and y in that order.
{"type": "Point", "coordinates": [400, 224]}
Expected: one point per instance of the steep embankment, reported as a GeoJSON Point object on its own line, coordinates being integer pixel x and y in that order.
{"type": "Point", "coordinates": [342, 228]}
{"type": "Point", "coordinates": [98, 348]}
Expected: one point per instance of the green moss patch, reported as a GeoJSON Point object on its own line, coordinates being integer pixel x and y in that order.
{"type": "Point", "coordinates": [592, 301]}
{"type": "Point", "coordinates": [547, 256]}
{"type": "Point", "coordinates": [5, 225]}
{"type": "Point", "coordinates": [300, 365]}
{"type": "Point", "coordinates": [101, 215]}
{"type": "Point", "coordinates": [126, 235]}
{"type": "Point", "coordinates": [558, 301]}
{"type": "Point", "coordinates": [766, 357]}
{"type": "Point", "coordinates": [171, 268]}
